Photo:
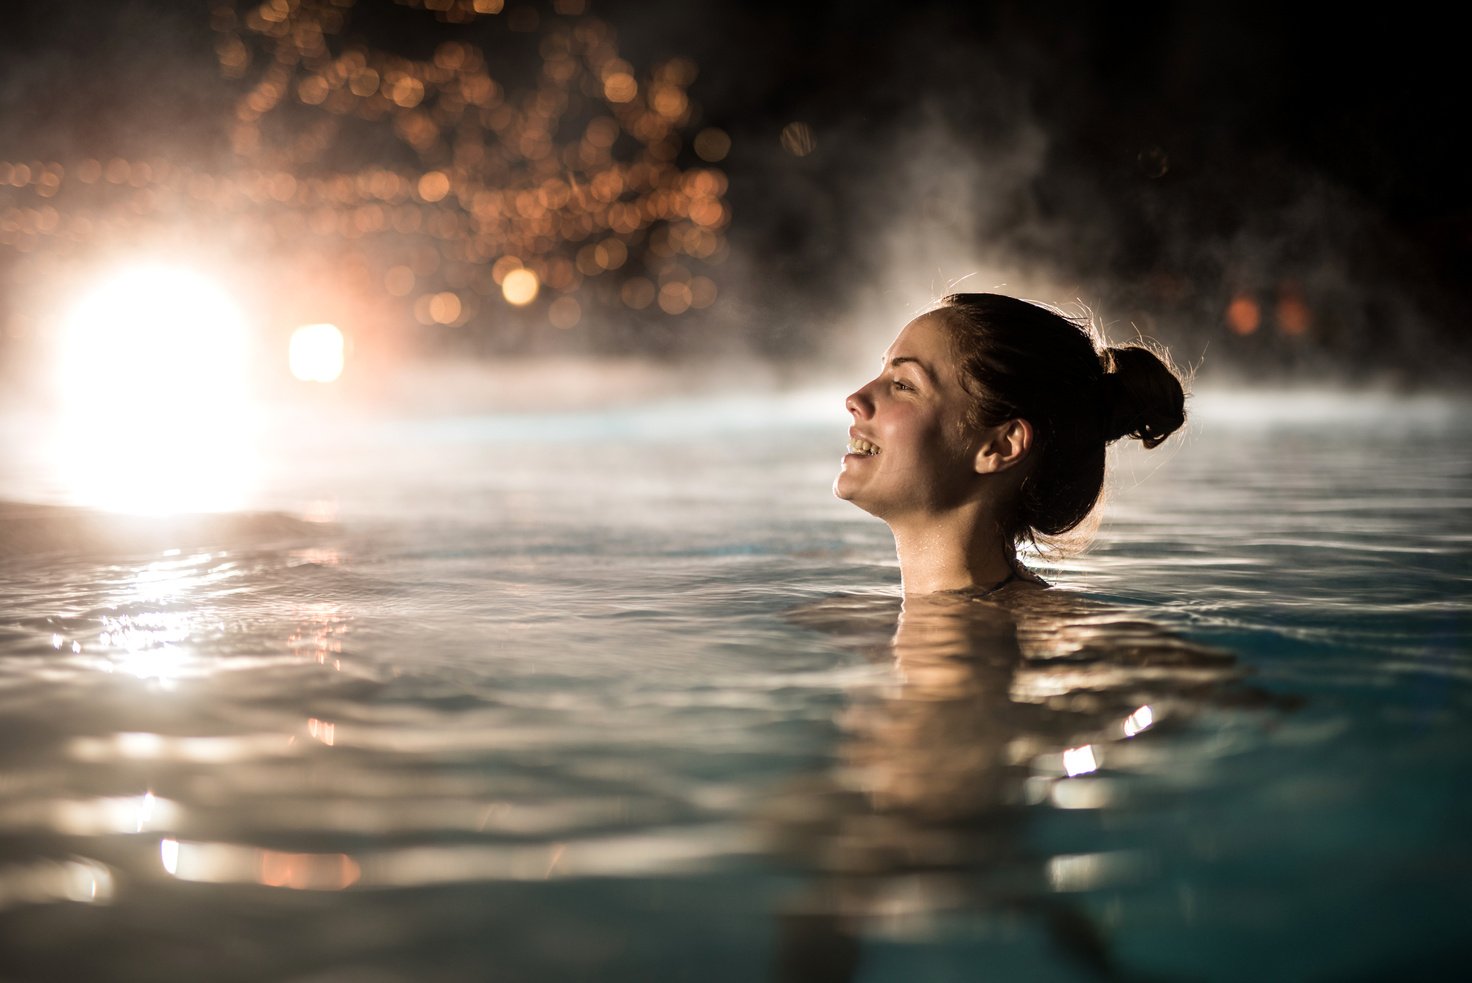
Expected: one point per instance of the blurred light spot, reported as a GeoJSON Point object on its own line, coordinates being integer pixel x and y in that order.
{"type": "Point", "coordinates": [712, 144]}
{"type": "Point", "coordinates": [92, 817]}
{"type": "Point", "coordinates": [620, 87]}
{"type": "Point", "coordinates": [434, 186]}
{"type": "Point", "coordinates": [679, 71]}
{"type": "Point", "coordinates": [1140, 720]}
{"type": "Point", "coordinates": [520, 287]}
{"type": "Point", "coordinates": [313, 90]}
{"type": "Point", "coordinates": [364, 83]}
{"type": "Point", "coordinates": [49, 881]}
{"type": "Point", "coordinates": [229, 863]}
{"type": "Point", "coordinates": [1243, 315]}
{"type": "Point", "coordinates": [316, 353]}
{"type": "Point", "coordinates": [797, 139]}
{"type": "Point", "coordinates": [1082, 793]}
{"type": "Point", "coordinates": [1292, 311]}
{"type": "Point", "coordinates": [607, 186]}
{"type": "Point", "coordinates": [168, 851]}
{"type": "Point", "coordinates": [406, 91]}
{"type": "Point", "coordinates": [445, 307]}
{"type": "Point", "coordinates": [674, 298]}
{"type": "Point", "coordinates": [488, 6]}
{"type": "Point", "coordinates": [144, 812]}
{"type": "Point", "coordinates": [707, 211]}
{"type": "Point", "coordinates": [610, 254]}
{"type": "Point", "coordinates": [234, 56]}
{"type": "Point", "coordinates": [161, 662]}
{"type": "Point", "coordinates": [449, 55]}
{"type": "Point", "coordinates": [307, 871]}
{"type": "Point", "coordinates": [322, 730]}
{"type": "Point", "coordinates": [669, 101]}
{"type": "Point", "coordinates": [1080, 760]}
{"type": "Point", "coordinates": [565, 312]}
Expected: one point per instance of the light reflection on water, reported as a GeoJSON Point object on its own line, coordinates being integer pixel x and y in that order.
{"type": "Point", "coordinates": [659, 673]}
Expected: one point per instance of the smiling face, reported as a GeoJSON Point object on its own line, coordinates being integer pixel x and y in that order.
{"type": "Point", "coordinates": [909, 453]}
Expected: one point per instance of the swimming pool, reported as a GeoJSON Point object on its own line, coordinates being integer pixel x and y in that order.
{"type": "Point", "coordinates": [625, 695]}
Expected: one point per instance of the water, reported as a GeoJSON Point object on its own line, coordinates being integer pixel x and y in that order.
{"type": "Point", "coordinates": [628, 696]}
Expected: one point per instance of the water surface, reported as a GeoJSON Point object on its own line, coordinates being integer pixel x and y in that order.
{"type": "Point", "coordinates": [627, 695]}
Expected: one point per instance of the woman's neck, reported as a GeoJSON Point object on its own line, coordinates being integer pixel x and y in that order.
{"type": "Point", "coordinates": [962, 551]}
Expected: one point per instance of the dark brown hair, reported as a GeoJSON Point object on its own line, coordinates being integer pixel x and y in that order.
{"type": "Point", "coordinates": [1021, 360]}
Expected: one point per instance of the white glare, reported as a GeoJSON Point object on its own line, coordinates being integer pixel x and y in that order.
{"type": "Point", "coordinates": [1080, 760]}
{"type": "Point", "coordinates": [316, 353]}
{"type": "Point", "coordinates": [169, 853]}
{"type": "Point", "coordinates": [1140, 720]}
{"type": "Point", "coordinates": [152, 371]}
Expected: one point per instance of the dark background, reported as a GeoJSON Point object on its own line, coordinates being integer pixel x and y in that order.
{"type": "Point", "coordinates": [1157, 161]}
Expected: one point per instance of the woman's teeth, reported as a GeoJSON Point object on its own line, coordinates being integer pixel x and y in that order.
{"type": "Point", "coordinates": [858, 445]}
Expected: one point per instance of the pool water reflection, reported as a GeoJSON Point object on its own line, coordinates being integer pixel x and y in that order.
{"type": "Point", "coordinates": [630, 696]}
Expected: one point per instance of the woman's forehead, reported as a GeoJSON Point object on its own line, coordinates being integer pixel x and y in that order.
{"type": "Point", "coordinates": [927, 341]}
{"type": "Point", "coordinates": [926, 333]}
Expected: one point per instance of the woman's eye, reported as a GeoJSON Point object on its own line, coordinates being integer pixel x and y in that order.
{"type": "Point", "coordinates": [902, 386]}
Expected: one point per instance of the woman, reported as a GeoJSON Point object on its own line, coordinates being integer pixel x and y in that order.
{"type": "Point", "coordinates": [986, 428]}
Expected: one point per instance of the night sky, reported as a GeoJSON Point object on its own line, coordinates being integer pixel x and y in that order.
{"type": "Point", "coordinates": [1161, 163]}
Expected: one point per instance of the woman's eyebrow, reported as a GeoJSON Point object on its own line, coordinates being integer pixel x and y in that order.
{"type": "Point", "coordinates": [899, 360]}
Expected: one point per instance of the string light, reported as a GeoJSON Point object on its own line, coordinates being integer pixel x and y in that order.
{"type": "Point", "coordinates": [571, 170]}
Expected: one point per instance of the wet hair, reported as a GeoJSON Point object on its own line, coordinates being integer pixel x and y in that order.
{"type": "Point", "coordinates": [1022, 360]}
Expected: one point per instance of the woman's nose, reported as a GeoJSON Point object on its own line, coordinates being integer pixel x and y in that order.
{"type": "Point", "coordinates": [859, 405]}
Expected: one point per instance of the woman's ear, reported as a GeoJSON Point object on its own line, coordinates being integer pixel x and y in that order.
{"type": "Point", "coordinates": [1004, 446]}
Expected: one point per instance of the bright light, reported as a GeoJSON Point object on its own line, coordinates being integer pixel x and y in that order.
{"type": "Point", "coordinates": [520, 287]}
{"type": "Point", "coordinates": [316, 353]}
{"type": "Point", "coordinates": [1080, 760]}
{"type": "Point", "coordinates": [153, 336]}
{"type": "Point", "coordinates": [152, 369]}
{"type": "Point", "coordinates": [169, 853]}
{"type": "Point", "coordinates": [1140, 720]}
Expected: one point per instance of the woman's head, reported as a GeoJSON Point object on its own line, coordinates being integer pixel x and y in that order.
{"type": "Point", "coordinates": [1031, 401]}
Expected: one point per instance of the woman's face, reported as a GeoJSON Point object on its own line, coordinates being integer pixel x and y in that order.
{"type": "Point", "coordinates": [909, 454]}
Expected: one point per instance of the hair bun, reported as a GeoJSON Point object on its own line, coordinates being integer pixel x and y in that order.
{"type": "Point", "coordinates": [1140, 396]}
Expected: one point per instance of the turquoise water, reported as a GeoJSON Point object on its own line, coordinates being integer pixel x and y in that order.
{"type": "Point", "coordinates": [627, 695]}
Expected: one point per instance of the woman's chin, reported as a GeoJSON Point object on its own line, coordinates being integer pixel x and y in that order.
{"type": "Point", "coordinates": [844, 486]}
{"type": "Point", "coordinates": [851, 491]}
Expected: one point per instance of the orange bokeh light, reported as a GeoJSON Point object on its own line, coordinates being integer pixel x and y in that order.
{"type": "Point", "coordinates": [1243, 315]}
